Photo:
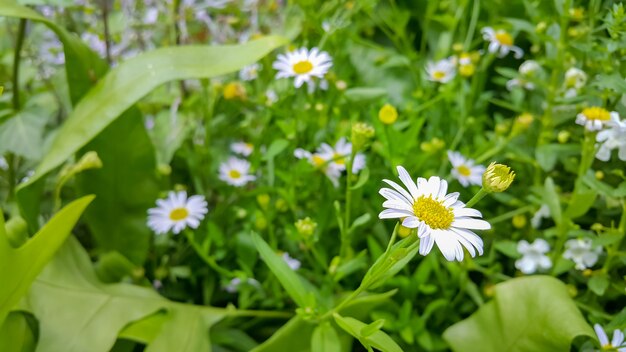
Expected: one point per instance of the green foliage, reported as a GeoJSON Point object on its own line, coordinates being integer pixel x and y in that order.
{"type": "Point", "coordinates": [20, 266]}
{"type": "Point", "coordinates": [527, 314]}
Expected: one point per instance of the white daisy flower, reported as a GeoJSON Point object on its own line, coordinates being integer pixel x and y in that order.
{"type": "Point", "coordinates": [501, 43]}
{"type": "Point", "coordinates": [533, 256]}
{"type": "Point", "coordinates": [441, 71]}
{"type": "Point", "coordinates": [580, 251]}
{"type": "Point", "coordinates": [177, 212]}
{"type": "Point", "coordinates": [465, 170]}
{"type": "Point", "coordinates": [242, 148]}
{"type": "Point", "coordinates": [543, 212]}
{"type": "Point", "coordinates": [617, 343]}
{"type": "Point", "coordinates": [294, 264]}
{"type": "Point", "coordinates": [234, 171]}
{"type": "Point", "coordinates": [528, 69]}
{"type": "Point", "coordinates": [303, 64]}
{"type": "Point", "coordinates": [340, 154]}
{"type": "Point", "coordinates": [270, 97]}
{"type": "Point", "coordinates": [438, 217]}
{"type": "Point", "coordinates": [613, 137]}
{"type": "Point", "coordinates": [596, 118]}
{"type": "Point", "coordinates": [575, 79]}
{"type": "Point", "coordinates": [322, 161]}
{"type": "Point", "coordinates": [250, 72]}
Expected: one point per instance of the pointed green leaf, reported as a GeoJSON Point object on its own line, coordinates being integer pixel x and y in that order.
{"type": "Point", "coordinates": [378, 339]}
{"type": "Point", "coordinates": [20, 266]}
{"type": "Point", "coordinates": [325, 338]}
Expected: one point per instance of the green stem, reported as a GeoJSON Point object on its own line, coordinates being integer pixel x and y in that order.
{"type": "Point", "coordinates": [204, 256]}
{"type": "Point", "coordinates": [21, 33]}
{"type": "Point", "coordinates": [472, 25]}
{"type": "Point", "coordinates": [477, 197]}
{"type": "Point", "coordinates": [511, 214]}
{"type": "Point", "coordinates": [345, 238]}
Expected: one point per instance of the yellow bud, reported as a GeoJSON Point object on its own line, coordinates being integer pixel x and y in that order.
{"type": "Point", "coordinates": [319, 107]}
{"type": "Point", "coordinates": [599, 175]}
{"type": "Point", "coordinates": [563, 137]}
{"type": "Point", "coordinates": [497, 178]}
{"type": "Point", "coordinates": [541, 27]}
{"type": "Point", "coordinates": [572, 290]}
{"type": "Point", "coordinates": [519, 221]}
{"type": "Point", "coordinates": [234, 90]}
{"type": "Point", "coordinates": [404, 231]}
{"type": "Point", "coordinates": [361, 134]}
{"type": "Point", "coordinates": [263, 200]}
{"type": "Point", "coordinates": [577, 14]}
{"type": "Point", "coordinates": [306, 227]}
{"type": "Point", "coordinates": [260, 222]}
{"type": "Point", "coordinates": [467, 70]}
{"type": "Point", "coordinates": [281, 205]}
{"type": "Point", "coordinates": [388, 114]}
{"type": "Point", "coordinates": [457, 47]}
{"type": "Point", "coordinates": [489, 290]}
{"type": "Point", "coordinates": [597, 227]}
{"type": "Point", "coordinates": [587, 272]}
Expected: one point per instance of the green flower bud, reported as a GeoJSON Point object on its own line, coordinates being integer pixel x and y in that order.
{"type": "Point", "coordinates": [497, 178]}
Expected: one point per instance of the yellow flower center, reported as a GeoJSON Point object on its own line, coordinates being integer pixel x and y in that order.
{"type": "Point", "coordinates": [339, 159]}
{"type": "Point", "coordinates": [302, 67]}
{"type": "Point", "coordinates": [179, 214]}
{"type": "Point", "coordinates": [318, 160]}
{"type": "Point", "coordinates": [439, 75]}
{"type": "Point", "coordinates": [504, 38]}
{"type": "Point", "coordinates": [596, 113]}
{"type": "Point", "coordinates": [464, 170]}
{"type": "Point", "coordinates": [234, 174]}
{"type": "Point", "coordinates": [433, 213]}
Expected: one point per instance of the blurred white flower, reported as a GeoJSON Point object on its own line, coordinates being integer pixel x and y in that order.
{"type": "Point", "coordinates": [3, 163]}
{"type": "Point", "coordinates": [242, 148]}
{"type": "Point", "coordinates": [596, 118]}
{"type": "Point", "coordinates": [580, 251]}
{"type": "Point", "coordinates": [533, 256]}
{"type": "Point", "coordinates": [575, 79]}
{"type": "Point", "coordinates": [543, 212]}
{"type": "Point", "coordinates": [177, 212]}
{"type": "Point", "coordinates": [617, 343]}
{"type": "Point", "coordinates": [234, 284]}
{"type": "Point", "coordinates": [439, 217]}
{"type": "Point", "coordinates": [294, 264]}
{"type": "Point", "coordinates": [528, 70]}
{"type": "Point", "coordinates": [441, 71]}
{"type": "Point", "coordinates": [303, 64]}
{"type": "Point", "coordinates": [465, 170]}
{"type": "Point", "coordinates": [501, 42]}
{"type": "Point", "coordinates": [250, 72]}
{"type": "Point", "coordinates": [235, 171]}
{"type": "Point", "coordinates": [612, 137]}
{"type": "Point", "coordinates": [322, 160]}
{"type": "Point", "coordinates": [270, 97]}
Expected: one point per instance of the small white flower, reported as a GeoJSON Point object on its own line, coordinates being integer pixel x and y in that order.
{"type": "Point", "coordinates": [234, 171]}
{"type": "Point", "coordinates": [250, 72]}
{"type": "Point", "coordinates": [543, 212]}
{"type": "Point", "coordinates": [177, 212]}
{"type": "Point", "coordinates": [441, 71]}
{"type": "Point", "coordinates": [270, 97]}
{"type": "Point", "coordinates": [617, 343]}
{"type": "Point", "coordinates": [533, 256]}
{"type": "Point", "coordinates": [322, 161]}
{"type": "Point", "coordinates": [596, 118]}
{"type": "Point", "coordinates": [528, 69]}
{"type": "Point", "coordinates": [465, 170]}
{"type": "Point", "coordinates": [575, 79]}
{"type": "Point", "coordinates": [294, 264]}
{"type": "Point", "coordinates": [580, 251]}
{"type": "Point", "coordinates": [613, 137]}
{"type": "Point", "coordinates": [3, 163]}
{"type": "Point", "coordinates": [235, 283]}
{"type": "Point", "coordinates": [303, 64]}
{"type": "Point", "coordinates": [242, 148]}
{"type": "Point", "coordinates": [501, 43]}
{"type": "Point", "coordinates": [438, 217]}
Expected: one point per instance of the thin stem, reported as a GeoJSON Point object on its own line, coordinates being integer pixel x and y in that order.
{"type": "Point", "coordinates": [477, 197]}
{"type": "Point", "coordinates": [204, 256]}
{"type": "Point", "coordinates": [472, 25]}
{"type": "Point", "coordinates": [107, 33]}
{"type": "Point", "coordinates": [345, 239]}
{"type": "Point", "coordinates": [21, 33]}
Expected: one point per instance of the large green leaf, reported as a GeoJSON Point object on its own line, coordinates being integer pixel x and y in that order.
{"type": "Point", "coordinates": [378, 338]}
{"type": "Point", "coordinates": [22, 134]}
{"type": "Point", "coordinates": [127, 83]}
{"type": "Point", "coordinates": [78, 313]}
{"type": "Point", "coordinates": [125, 187]}
{"type": "Point", "coordinates": [528, 314]}
{"type": "Point", "coordinates": [20, 266]}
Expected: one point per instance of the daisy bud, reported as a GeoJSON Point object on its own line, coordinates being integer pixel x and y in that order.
{"type": "Point", "coordinates": [306, 227]}
{"type": "Point", "coordinates": [234, 90]}
{"type": "Point", "coordinates": [361, 134]}
{"type": "Point", "coordinates": [263, 200]}
{"type": "Point", "coordinates": [497, 178]}
{"type": "Point", "coordinates": [563, 136]}
{"type": "Point", "coordinates": [599, 175]}
{"type": "Point", "coordinates": [388, 114]}
{"type": "Point", "coordinates": [519, 221]}
{"type": "Point", "coordinates": [404, 231]}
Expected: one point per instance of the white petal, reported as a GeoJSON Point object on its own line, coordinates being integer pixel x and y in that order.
{"type": "Point", "coordinates": [473, 224]}
{"type": "Point", "coordinates": [408, 182]}
{"type": "Point", "coordinates": [393, 214]}
{"type": "Point", "coordinates": [411, 222]}
{"type": "Point", "coordinates": [426, 244]}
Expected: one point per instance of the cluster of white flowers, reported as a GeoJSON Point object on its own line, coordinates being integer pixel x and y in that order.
{"type": "Point", "coordinates": [575, 80]}
{"type": "Point", "coordinates": [534, 258]}
{"type": "Point", "coordinates": [611, 131]}
{"type": "Point", "coordinates": [333, 160]}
